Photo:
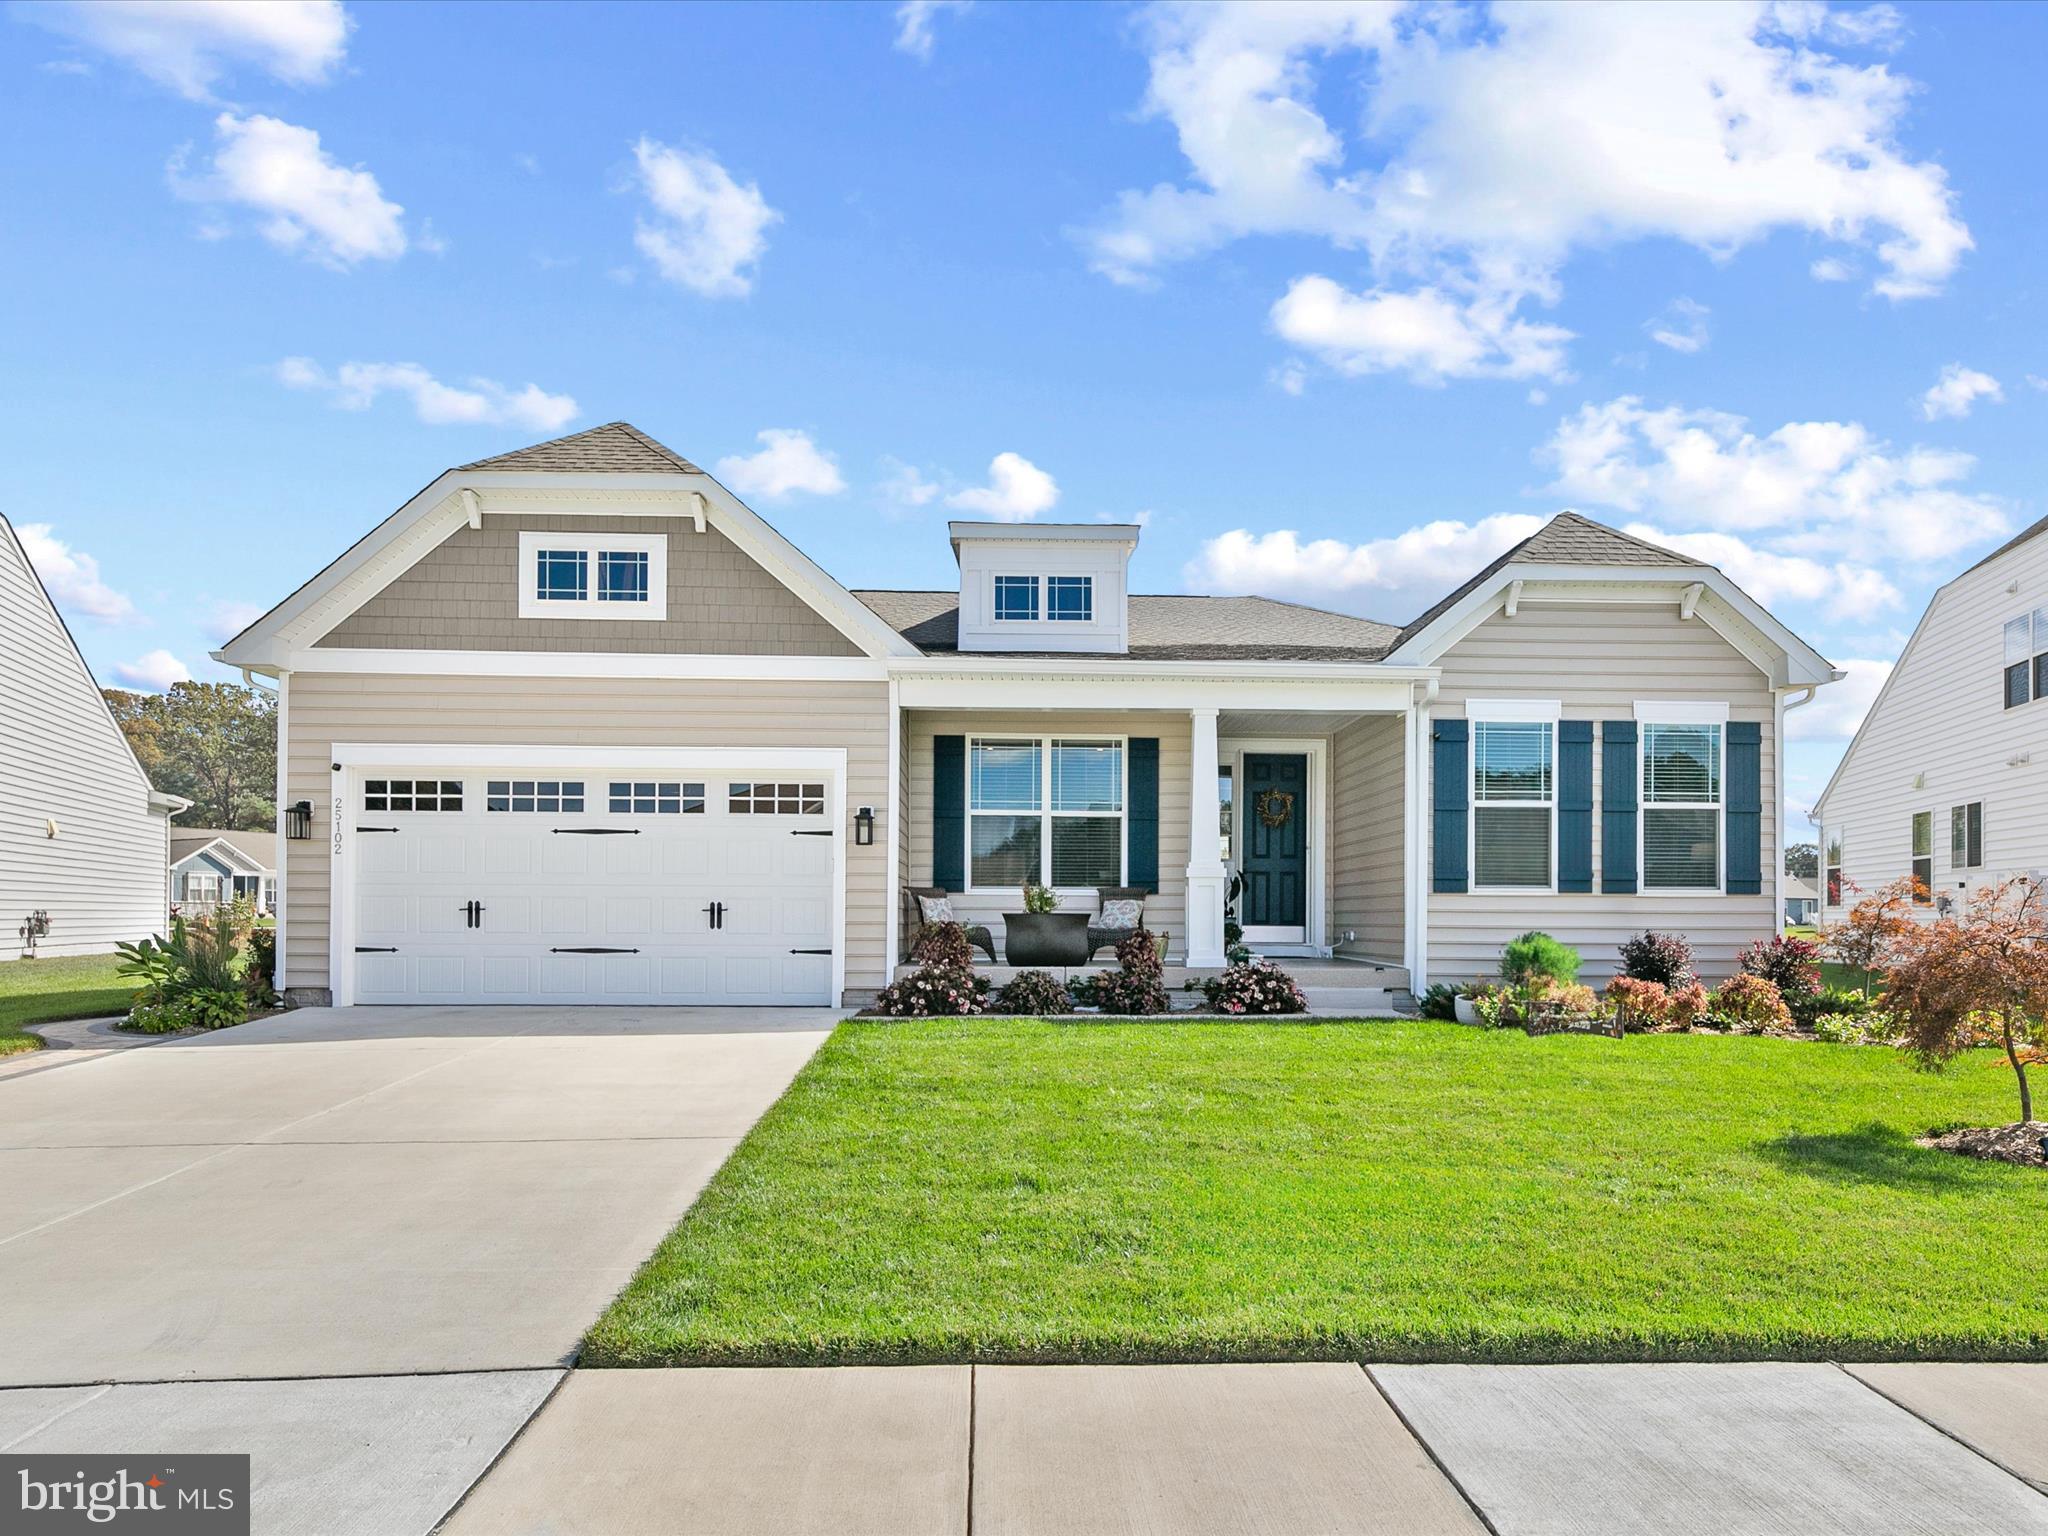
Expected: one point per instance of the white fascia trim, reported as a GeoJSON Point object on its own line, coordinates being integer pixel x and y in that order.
{"type": "Point", "coordinates": [865, 669]}
{"type": "Point", "coordinates": [230, 852]}
{"type": "Point", "coordinates": [1682, 711]}
{"type": "Point", "coordinates": [1052, 691]}
{"type": "Point", "coordinates": [1520, 710]}
{"type": "Point", "coordinates": [1800, 662]}
{"type": "Point", "coordinates": [401, 754]}
{"type": "Point", "coordinates": [161, 804]}
{"type": "Point", "coordinates": [988, 665]}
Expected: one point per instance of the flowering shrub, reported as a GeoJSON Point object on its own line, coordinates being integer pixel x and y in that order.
{"type": "Point", "coordinates": [1034, 992]}
{"type": "Point", "coordinates": [1749, 1005]}
{"type": "Point", "coordinates": [1260, 987]}
{"type": "Point", "coordinates": [935, 991]}
{"type": "Point", "coordinates": [1135, 986]}
{"type": "Point", "coordinates": [945, 946]}
{"type": "Point", "coordinates": [1793, 967]}
{"type": "Point", "coordinates": [1871, 1027]}
{"type": "Point", "coordinates": [1665, 958]}
{"type": "Point", "coordinates": [1138, 953]}
{"type": "Point", "coordinates": [1687, 1006]}
{"type": "Point", "coordinates": [1640, 1004]}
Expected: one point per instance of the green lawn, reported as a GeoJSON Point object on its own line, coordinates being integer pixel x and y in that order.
{"type": "Point", "coordinates": [952, 1190]}
{"type": "Point", "coordinates": [44, 991]}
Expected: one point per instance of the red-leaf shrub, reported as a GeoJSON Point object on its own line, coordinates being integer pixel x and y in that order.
{"type": "Point", "coordinates": [1034, 992]}
{"type": "Point", "coordinates": [1687, 1006]}
{"type": "Point", "coordinates": [935, 992]}
{"type": "Point", "coordinates": [1750, 1005]}
{"type": "Point", "coordinates": [1642, 1005]}
{"type": "Point", "coordinates": [1665, 958]}
{"type": "Point", "coordinates": [945, 946]}
{"type": "Point", "coordinates": [1260, 987]}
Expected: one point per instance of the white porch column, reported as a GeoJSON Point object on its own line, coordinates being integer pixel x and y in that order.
{"type": "Point", "coordinates": [1205, 860]}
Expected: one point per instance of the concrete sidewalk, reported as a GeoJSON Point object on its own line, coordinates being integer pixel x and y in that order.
{"type": "Point", "coordinates": [1276, 1450]}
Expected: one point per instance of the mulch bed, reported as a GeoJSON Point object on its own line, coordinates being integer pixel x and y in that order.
{"type": "Point", "coordinates": [1998, 1143]}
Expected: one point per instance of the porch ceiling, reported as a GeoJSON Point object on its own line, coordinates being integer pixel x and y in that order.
{"type": "Point", "coordinates": [1283, 722]}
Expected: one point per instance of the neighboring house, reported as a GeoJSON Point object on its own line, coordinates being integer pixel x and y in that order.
{"type": "Point", "coordinates": [575, 725]}
{"type": "Point", "coordinates": [1802, 901]}
{"type": "Point", "coordinates": [82, 834]}
{"type": "Point", "coordinates": [1940, 781]}
{"type": "Point", "coordinates": [209, 868]}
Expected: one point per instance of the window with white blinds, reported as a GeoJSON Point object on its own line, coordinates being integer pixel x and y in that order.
{"type": "Point", "coordinates": [1514, 804]}
{"type": "Point", "coordinates": [1045, 810]}
{"type": "Point", "coordinates": [1681, 807]}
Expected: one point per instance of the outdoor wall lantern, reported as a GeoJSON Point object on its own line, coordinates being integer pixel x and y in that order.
{"type": "Point", "coordinates": [864, 826]}
{"type": "Point", "coordinates": [298, 821]}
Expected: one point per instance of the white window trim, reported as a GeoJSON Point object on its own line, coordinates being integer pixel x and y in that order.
{"type": "Point", "coordinates": [1964, 807]}
{"type": "Point", "coordinates": [653, 545]}
{"type": "Point", "coordinates": [1508, 712]}
{"type": "Point", "coordinates": [1046, 813]}
{"type": "Point", "coordinates": [1670, 714]}
{"type": "Point", "coordinates": [1840, 866]}
{"type": "Point", "coordinates": [1913, 858]}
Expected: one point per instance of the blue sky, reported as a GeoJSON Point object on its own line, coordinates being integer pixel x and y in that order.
{"type": "Point", "coordinates": [1339, 299]}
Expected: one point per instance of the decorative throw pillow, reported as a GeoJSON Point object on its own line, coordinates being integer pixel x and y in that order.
{"type": "Point", "coordinates": [1121, 914]}
{"type": "Point", "coordinates": [936, 909]}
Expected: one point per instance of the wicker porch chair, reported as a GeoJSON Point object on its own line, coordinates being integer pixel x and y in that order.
{"type": "Point", "coordinates": [1101, 937]}
{"type": "Point", "coordinates": [977, 934]}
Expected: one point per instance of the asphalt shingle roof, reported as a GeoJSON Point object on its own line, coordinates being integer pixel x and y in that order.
{"type": "Point", "coordinates": [260, 846]}
{"type": "Point", "coordinates": [617, 448]}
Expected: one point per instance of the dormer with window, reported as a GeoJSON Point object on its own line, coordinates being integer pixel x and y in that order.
{"type": "Point", "coordinates": [1044, 586]}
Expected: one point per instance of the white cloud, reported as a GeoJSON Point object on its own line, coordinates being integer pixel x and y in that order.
{"type": "Point", "coordinates": [1682, 327]}
{"type": "Point", "coordinates": [1956, 391]}
{"type": "Point", "coordinates": [356, 386]}
{"type": "Point", "coordinates": [1017, 491]}
{"type": "Point", "coordinates": [73, 577]}
{"type": "Point", "coordinates": [1290, 377]}
{"type": "Point", "coordinates": [1396, 576]}
{"type": "Point", "coordinates": [905, 485]}
{"type": "Point", "coordinates": [2036, 381]}
{"type": "Point", "coordinates": [1495, 145]}
{"type": "Point", "coordinates": [229, 618]}
{"type": "Point", "coordinates": [914, 25]}
{"type": "Point", "coordinates": [188, 46]}
{"type": "Point", "coordinates": [156, 671]}
{"type": "Point", "coordinates": [788, 463]}
{"type": "Point", "coordinates": [1773, 578]}
{"type": "Point", "coordinates": [1826, 487]}
{"type": "Point", "coordinates": [1838, 709]}
{"type": "Point", "coordinates": [1830, 269]}
{"type": "Point", "coordinates": [304, 199]}
{"type": "Point", "coordinates": [1427, 332]}
{"type": "Point", "coordinates": [707, 231]}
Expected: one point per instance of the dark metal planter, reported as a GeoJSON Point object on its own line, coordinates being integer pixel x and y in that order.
{"type": "Point", "coordinates": [1045, 938]}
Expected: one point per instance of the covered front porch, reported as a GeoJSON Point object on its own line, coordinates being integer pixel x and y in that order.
{"type": "Point", "coordinates": [1279, 817]}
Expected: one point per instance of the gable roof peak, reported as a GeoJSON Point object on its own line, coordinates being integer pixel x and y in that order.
{"type": "Point", "coordinates": [617, 447]}
{"type": "Point", "coordinates": [1572, 538]}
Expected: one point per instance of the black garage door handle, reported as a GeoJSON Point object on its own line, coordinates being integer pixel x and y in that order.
{"type": "Point", "coordinates": [590, 950]}
{"type": "Point", "coordinates": [597, 831]}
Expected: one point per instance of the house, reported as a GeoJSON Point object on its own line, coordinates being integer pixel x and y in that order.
{"type": "Point", "coordinates": [1940, 781]}
{"type": "Point", "coordinates": [1802, 902]}
{"type": "Point", "coordinates": [575, 724]}
{"type": "Point", "coordinates": [210, 867]}
{"type": "Point", "coordinates": [82, 834]}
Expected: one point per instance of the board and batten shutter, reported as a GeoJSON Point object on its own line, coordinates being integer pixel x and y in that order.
{"type": "Point", "coordinates": [1618, 806]}
{"type": "Point", "coordinates": [1451, 799]}
{"type": "Point", "coordinates": [949, 812]}
{"type": "Point", "coordinates": [1745, 808]}
{"type": "Point", "coordinates": [1141, 830]}
{"type": "Point", "coordinates": [1575, 805]}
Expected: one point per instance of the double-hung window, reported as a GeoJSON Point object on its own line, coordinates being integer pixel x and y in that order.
{"type": "Point", "coordinates": [1923, 857]}
{"type": "Point", "coordinates": [1045, 810]}
{"type": "Point", "coordinates": [593, 576]}
{"type": "Point", "coordinates": [1831, 864]}
{"type": "Point", "coordinates": [1681, 806]}
{"type": "Point", "coordinates": [1514, 803]}
{"type": "Point", "coordinates": [1966, 835]}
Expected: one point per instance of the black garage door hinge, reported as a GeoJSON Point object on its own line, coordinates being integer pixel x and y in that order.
{"type": "Point", "coordinates": [597, 831]}
{"type": "Point", "coordinates": [376, 829]}
{"type": "Point", "coordinates": [810, 951]}
{"type": "Point", "coordinates": [808, 832]}
{"type": "Point", "coordinates": [376, 949]}
{"type": "Point", "coordinates": [589, 949]}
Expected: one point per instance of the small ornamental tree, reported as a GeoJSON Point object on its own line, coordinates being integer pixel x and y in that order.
{"type": "Point", "coordinates": [1951, 979]}
{"type": "Point", "coordinates": [1867, 940]}
{"type": "Point", "coordinates": [1792, 965]}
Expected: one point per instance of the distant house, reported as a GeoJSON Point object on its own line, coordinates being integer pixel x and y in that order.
{"type": "Point", "coordinates": [208, 868]}
{"type": "Point", "coordinates": [1802, 901]}
{"type": "Point", "coordinates": [83, 837]}
{"type": "Point", "coordinates": [1941, 781]}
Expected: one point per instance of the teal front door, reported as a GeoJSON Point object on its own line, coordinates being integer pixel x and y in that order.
{"type": "Point", "coordinates": [1273, 905]}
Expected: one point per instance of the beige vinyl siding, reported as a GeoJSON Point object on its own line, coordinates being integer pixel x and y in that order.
{"type": "Point", "coordinates": [1598, 659]}
{"type": "Point", "coordinates": [1367, 837]}
{"type": "Point", "coordinates": [464, 595]}
{"type": "Point", "coordinates": [1942, 722]}
{"type": "Point", "coordinates": [595, 712]}
{"type": "Point", "coordinates": [1164, 912]}
{"type": "Point", "coordinates": [62, 759]}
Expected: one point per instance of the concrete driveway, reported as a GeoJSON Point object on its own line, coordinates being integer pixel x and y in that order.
{"type": "Point", "coordinates": [365, 1191]}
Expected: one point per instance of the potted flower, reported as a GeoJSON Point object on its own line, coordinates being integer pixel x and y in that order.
{"type": "Point", "coordinates": [1040, 935]}
{"type": "Point", "coordinates": [1465, 1005]}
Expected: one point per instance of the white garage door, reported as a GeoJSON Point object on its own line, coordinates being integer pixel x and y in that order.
{"type": "Point", "coordinates": [671, 886]}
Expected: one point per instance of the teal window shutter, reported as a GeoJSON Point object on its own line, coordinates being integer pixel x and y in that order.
{"type": "Point", "coordinates": [1575, 805]}
{"type": "Point", "coordinates": [1451, 748]}
{"type": "Point", "coordinates": [1745, 808]}
{"type": "Point", "coordinates": [1618, 806]}
{"type": "Point", "coordinates": [949, 812]}
{"type": "Point", "coordinates": [1141, 815]}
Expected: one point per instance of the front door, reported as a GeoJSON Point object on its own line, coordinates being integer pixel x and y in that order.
{"type": "Point", "coordinates": [1273, 906]}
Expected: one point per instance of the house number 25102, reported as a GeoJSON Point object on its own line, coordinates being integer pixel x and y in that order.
{"type": "Point", "coordinates": [338, 812]}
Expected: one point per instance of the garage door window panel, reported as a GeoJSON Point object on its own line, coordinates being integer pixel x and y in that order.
{"type": "Point", "coordinates": [778, 799]}
{"type": "Point", "coordinates": [412, 794]}
{"type": "Point", "coordinates": [548, 797]}
{"type": "Point", "coordinates": [658, 797]}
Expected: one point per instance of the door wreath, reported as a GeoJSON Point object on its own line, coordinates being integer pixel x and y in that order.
{"type": "Point", "coordinates": [1275, 807]}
